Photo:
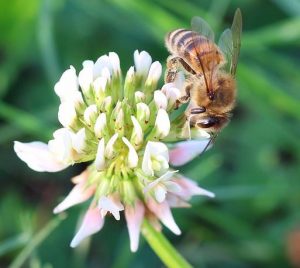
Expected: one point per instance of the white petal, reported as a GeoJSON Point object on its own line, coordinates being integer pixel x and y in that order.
{"type": "Point", "coordinates": [90, 114]}
{"type": "Point", "coordinates": [185, 151]}
{"type": "Point", "coordinates": [134, 217]}
{"type": "Point", "coordinates": [115, 62]}
{"type": "Point", "coordinates": [99, 87]}
{"type": "Point", "coordinates": [137, 132]}
{"type": "Point", "coordinates": [79, 141]}
{"type": "Point", "coordinates": [142, 112]}
{"type": "Point", "coordinates": [78, 194]}
{"type": "Point", "coordinates": [105, 72]}
{"type": "Point", "coordinates": [100, 64]}
{"type": "Point", "coordinates": [142, 62]}
{"type": "Point", "coordinates": [172, 93]}
{"type": "Point", "coordinates": [109, 150]}
{"type": "Point", "coordinates": [162, 123]}
{"type": "Point", "coordinates": [107, 102]}
{"type": "Point", "coordinates": [77, 99]}
{"type": "Point", "coordinates": [129, 78]}
{"type": "Point", "coordinates": [100, 159]}
{"type": "Point", "coordinates": [165, 177]}
{"type": "Point", "coordinates": [111, 204]}
{"type": "Point", "coordinates": [139, 96]}
{"type": "Point", "coordinates": [61, 145]}
{"type": "Point", "coordinates": [100, 125]}
{"type": "Point", "coordinates": [153, 149]}
{"type": "Point", "coordinates": [38, 157]}
{"type": "Point", "coordinates": [163, 213]}
{"type": "Point", "coordinates": [119, 119]}
{"type": "Point", "coordinates": [67, 113]}
{"type": "Point", "coordinates": [154, 72]}
{"type": "Point", "coordinates": [132, 154]}
{"type": "Point", "coordinates": [160, 193]}
{"type": "Point", "coordinates": [160, 99]}
{"type": "Point", "coordinates": [67, 84]}
{"type": "Point", "coordinates": [92, 223]}
{"type": "Point", "coordinates": [85, 77]}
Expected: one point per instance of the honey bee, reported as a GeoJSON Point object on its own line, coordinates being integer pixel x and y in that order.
{"type": "Point", "coordinates": [209, 71]}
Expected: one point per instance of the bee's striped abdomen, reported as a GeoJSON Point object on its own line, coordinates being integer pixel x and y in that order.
{"type": "Point", "coordinates": [193, 48]}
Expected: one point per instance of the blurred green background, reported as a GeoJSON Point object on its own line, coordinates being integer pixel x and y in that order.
{"type": "Point", "coordinates": [254, 221]}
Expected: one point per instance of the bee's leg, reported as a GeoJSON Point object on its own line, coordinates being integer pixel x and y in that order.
{"type": "Point", "coordinates": [173, 66]}
{"type": "Point", "coordinates": [185, 98]}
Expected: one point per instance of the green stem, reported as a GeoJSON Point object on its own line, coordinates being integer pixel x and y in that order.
{"type": "Point", "coordinates": [35, 242]}
{"type": "Point", "coordinates": [163, 248]}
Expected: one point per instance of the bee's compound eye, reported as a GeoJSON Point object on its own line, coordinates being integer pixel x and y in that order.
{"type": "Point", "coordinates": [208, 122]}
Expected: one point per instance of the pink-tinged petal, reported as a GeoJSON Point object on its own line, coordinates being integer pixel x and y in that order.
{"type": "Point", "coordinates": [172, 186]}
{"type": "Point", "coordinates": [78, 194]}
{"type": "Point", "coordinates": [185, 151]}
{"type": "Point", "coordinates": [92, 223]}
{"type": "Point", "coordinates": [190, 188]}
{"type": "Point", "coordinates": [163, 213]}
{"type": "Point", "coordinates": [154, 222]}
{"type": "Point", "coordinates": [38, 157]}
{"type": "Point", "coordinates": [111, 204]}
{"type": "Point", "coordinates": [134, 217]}
{"type": "Point", "coordinates": [175, 201]}
{"type": "Point", "coordinates": [81, 178]}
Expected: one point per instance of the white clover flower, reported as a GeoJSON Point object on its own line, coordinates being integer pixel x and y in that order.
{"type": "Point", "coordinates": [122, 129]}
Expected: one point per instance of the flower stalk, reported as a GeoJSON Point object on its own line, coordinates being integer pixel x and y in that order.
{"type": "Point", "coordinates": [163, 248]}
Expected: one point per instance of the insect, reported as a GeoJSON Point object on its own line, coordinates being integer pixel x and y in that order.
{"type": "Point", "coordinates": [209, 71]}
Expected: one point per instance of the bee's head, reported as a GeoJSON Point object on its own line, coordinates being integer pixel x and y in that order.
{"type": "Point", "coordinates": [224, 93]}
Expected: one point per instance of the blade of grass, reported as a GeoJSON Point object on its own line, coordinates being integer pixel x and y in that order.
{"type": "Point", "coordinates": [226, 221]}
{"type": "Point", "coordinates": [291, 7]}
{"type": "Point", "coordinates": [280, 34]}
{"type": "Point", "coordinates": [13, 243]}
{"type": "Point", "coordinates": [272, 94]}
{"type": "Point", "coordinates": [46, 41]}
{"type": "Point", "coordinates": [26, 122]}
{"type": "Point", "coordinates": [36, 241]}
{"type": "Point", "coordinates": [159, 24]}
{"type": "Point", "coordinates": [186, 10]}
{"type": "Point", "coordinates": [218, 10]}
{"type": "Point", "coordinates": [238, 192]}
{"type": "Point", "coordinates": [289, 75]}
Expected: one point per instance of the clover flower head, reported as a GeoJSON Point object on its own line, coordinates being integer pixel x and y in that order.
{"type": "Point", "coordinates": [121, 127]}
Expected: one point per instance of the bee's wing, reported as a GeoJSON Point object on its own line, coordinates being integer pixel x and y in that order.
{"type": "Point", "coordinates": [203, 40]}
{"type": "Point", "coordinates": [185, 151]}
{"type": "Point", "coordinates": [200, 26]}
{"type": "Point", "coordinates": [230, 42]}
{"type": "Point", "coordinates": [236, 30]}
{"type": "Point", "coordinates": [226, 46]}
